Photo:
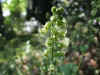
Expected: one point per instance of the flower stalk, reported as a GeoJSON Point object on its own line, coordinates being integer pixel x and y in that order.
{"type": "Point", "coordinates": [55, 29]}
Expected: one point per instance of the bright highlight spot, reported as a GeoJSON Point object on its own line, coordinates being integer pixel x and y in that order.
{"type": "Point", "coordinates": [6, 13]}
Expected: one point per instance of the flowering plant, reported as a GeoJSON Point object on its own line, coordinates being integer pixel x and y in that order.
{"type": "Point", "coordinates": [56, 41]}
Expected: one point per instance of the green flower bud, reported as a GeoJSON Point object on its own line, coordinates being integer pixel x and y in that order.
{"type": "Point", "coordinates": [47, 25]}
{"type": "Point", "coordinates": [53, 9]}
{"type": "Point", "coordinates": [51, 67]}
{"type": "Point", "coordinates": [53, 18]}
{"type": "Point", "coordinates": [48, 42]}
{"type": "Point", "coordinates": [46, 52]}
{"type": "Point", "coordinates": [43, 30]}
{"type": "Point", "coordinates": [60, 10]}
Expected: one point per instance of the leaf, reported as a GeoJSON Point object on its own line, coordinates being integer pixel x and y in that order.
{"type": "Point", "coordinates": [84, 48]}
{"type": "Point", "coordinates": [69, 69]}
{"type": "Point", "coordinates": [93, 12]}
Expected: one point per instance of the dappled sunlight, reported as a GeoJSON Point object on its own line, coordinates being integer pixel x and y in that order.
{"type": "Point", "coordinates": [49, 37]}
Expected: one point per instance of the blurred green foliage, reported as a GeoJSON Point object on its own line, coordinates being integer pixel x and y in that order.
{"type": "Point", "coordinates": [21, 52]}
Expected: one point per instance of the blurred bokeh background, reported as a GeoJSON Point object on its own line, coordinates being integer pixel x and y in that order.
{"type": "Point", "coordinates": [21, 45]}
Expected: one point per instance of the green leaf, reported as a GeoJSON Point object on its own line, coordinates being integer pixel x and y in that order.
{"type": "Point", "coordinates": [69, 69]}
{"type": "Point", "coordinates": [93, 12]}
{"type": "Point", "coordinates": [84, 48]}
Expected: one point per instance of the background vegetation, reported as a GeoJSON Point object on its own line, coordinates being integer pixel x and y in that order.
{"type": "Point", "coordinates": [22, 47]}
